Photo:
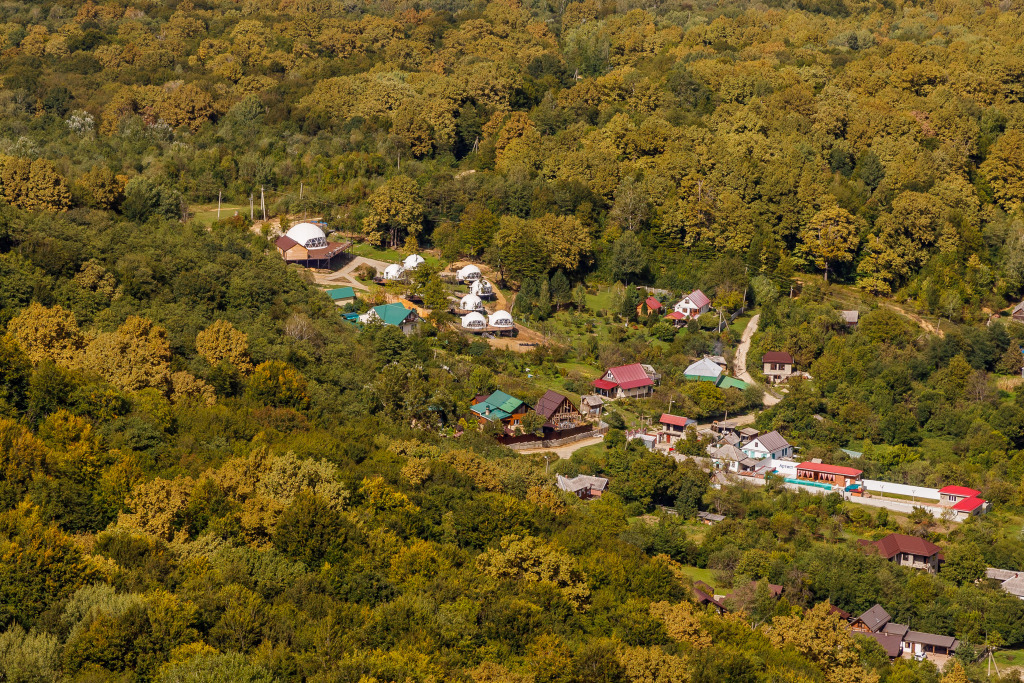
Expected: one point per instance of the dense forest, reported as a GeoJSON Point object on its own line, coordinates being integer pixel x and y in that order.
{"type": "Point", "coordinates": [206, 474]}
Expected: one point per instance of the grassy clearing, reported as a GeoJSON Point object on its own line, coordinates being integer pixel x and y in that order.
{"type": "Point", "coordinates": [209, 216]}
{"type": "Point", "coordinates": [698, 574]}
{"type": "Point", "coordinates": [390, 255]}
{"type": "Point", "coordinates": [1009, 658]}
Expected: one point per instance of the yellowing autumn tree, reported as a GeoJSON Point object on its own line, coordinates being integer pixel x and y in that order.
{"type": "Point", "coordinates": [221, 341]}
{"type": "Point", "coordinates": [134, 357]}
{"type": "Point", "coordinates": [34, 185]}
{"type": "Point", "coordinates": [43, 333]}
{"type": "Point", "coordinates": [830, 237]}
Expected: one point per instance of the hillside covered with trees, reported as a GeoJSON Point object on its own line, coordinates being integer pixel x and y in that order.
{"type": "Point", "coordinates": [206, 474]}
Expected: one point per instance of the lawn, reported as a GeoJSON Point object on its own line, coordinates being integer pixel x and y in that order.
{"type": "Point", "coordinates": [600, 301]}
{"type": "Point", "coordinates": [209, 216]}
{"type": "Point", "coordinates": [1009, 658]}
{"type": "Point", "coordinates": [390, 255]}
{"type": "Point", "coordinates": [698, 574]}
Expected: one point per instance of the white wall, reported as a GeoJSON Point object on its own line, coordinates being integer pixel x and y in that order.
{"type": "Point", "coordinates": [902, 489]}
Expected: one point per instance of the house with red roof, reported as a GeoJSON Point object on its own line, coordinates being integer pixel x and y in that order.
{"type": "Point", "coordinates": [627, 381]}
{"type": "Point", "coordinates": [649, 306]}
{"type": "Point", "coordinates": [907, 551]}
{"type": "Point", "coordinates": [692, 305]}
{"type": "Point", "coordinates": [838, 477]}
{"type": "Point", "coordinates": [963, 501]}
{"type": "Point", "coordinates": [673, 427]}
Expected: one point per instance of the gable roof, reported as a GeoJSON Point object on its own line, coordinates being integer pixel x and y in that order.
{"type": "Point", "coordinates": [850, 317]}
{"type": "Point", "coordinates": [777, 357]}
{"type": "Point", "coordinates": [498, 405]}
{"type": "Point", "coordinates": [703, 368]}
{"type": "Point", "coordinates": [729, 452]}
{"type": "Point", "coordinates": [930, 639]}
{"type": "Point", "coordinates": [698, 298]}
{"type": "Point", "coordinates": [392, 314]}
{"type": "Point", "coordinates": [874, 618]}
{"type": "Point", "coordinates": [968, 504]}
{"type": "Point", "coordinates": [284, 243]}
{"type": "Point", "coordinates": [959, 491]}
{"type": "Point", "coordinates": [652, 303]}
{"type": "Point", "coordinates": [549, 403]}
{"type": "Point", "coordinates": [341, 293]}
{"type": "Point", "coordinates": [581, 482]}
{"type": "Point", "coordinates": [630, 376]}
{"type": "Point", "coordinates": [894, 544]}
{"type": "Point", "coordinates": [892, 644]}
{"type": "Point", "coordinates": [772, 441]}
{"type": "Point", "coordinates": [727, 382]}
{"type": "Point", "coordinates": [677, 420]}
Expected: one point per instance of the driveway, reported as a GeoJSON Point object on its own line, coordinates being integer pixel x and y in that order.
{"type": "Point", "coordinates": [343, 276]}
{"type": "Point", "coordinates": [739, 361]}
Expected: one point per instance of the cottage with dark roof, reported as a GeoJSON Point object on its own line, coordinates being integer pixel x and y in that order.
{"type": "Point", "coordinates": [771, 445]}
{"type": "Point", "coordinates": [778, 366]}
{"type": "Point", "coordinates": [559, 411]}
{"type": "Point", "coordinates": [907, 551]}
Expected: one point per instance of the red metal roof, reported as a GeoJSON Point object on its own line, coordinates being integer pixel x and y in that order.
{"type": "Point", "coordinates": [969, 504]}
{"type": "Point", "coordinates": [284, 243]}
{"type": "Point", "coordinates": [677, 420]}
{"type": "Point", "coordinates": [652, 303]}
{"type": "Point", "coordinates": [633, 374]}
{"type": "Point", "coordinates": [777, 357]}
{"type": "Point", "coordinates": [894, 544]}
{"type": "Point", "coordinates": [699, 298]}
{"type": "Point", "coordinates": [675, 315]}
{"type": "Point", "coordinates": [959, 491]}
{"type": "Point", "coordinates": [829, 469]}
{"type": "Point", "coordinates": [604, 384]}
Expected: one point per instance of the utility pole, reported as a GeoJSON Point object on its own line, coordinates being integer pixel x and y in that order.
{"type": "Point", "coordinates": [263, 204]}
{"type": "Point", "coordinates": [218, 204]}
{"type": "Point", "coordinates": [251, 217]}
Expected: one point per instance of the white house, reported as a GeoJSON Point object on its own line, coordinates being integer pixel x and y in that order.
{"type": "Point", "coordinates": [468, 273]}
{"type": "Point", "coordinates": [500, 319]}
{"type": "Point", "coordinates": [474, 321]}
{"type": "Point", "coordinates": [394, 272]}
{"type": "Point", "coordinates": [471, 302]}
{"type": "Point", "coordinates": [481, 288]}
{"type": "Point", "coordinates": [771, 445]}
{"type": "Point", "coordinates": [413, 261]}
{"type": "Point", "coordinates": [693, 304]}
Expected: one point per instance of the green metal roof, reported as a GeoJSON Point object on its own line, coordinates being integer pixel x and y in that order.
{"type": "Point", "coordinates": [341, 293]}
{"type": "Point", "coordinates": [499, 403]}
{"type": "Point", "coordinates": [726, 382]}
{"type": "Point", "coordinates": [392, 314]}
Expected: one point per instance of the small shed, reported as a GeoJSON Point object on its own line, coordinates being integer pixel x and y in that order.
{"type": "Point", "coordinates": [342, 295]}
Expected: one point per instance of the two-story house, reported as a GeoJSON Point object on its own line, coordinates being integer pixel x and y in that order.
{"type": "Point", "coordinates": [907, 551]}
{"type": "Point", "coordinates": [778, 366]}
{"type": "Point", "coordinates": [692, 305]}
{"type": "Point", "coordinates": [673, 427]}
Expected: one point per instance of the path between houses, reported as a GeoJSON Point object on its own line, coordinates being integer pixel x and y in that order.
{"type": "Point", "coordinates": [739, 361]}
{"type": "Point", "coordinates": [565, 452]}
{"type": "Point", "coordinates": [343, 276]}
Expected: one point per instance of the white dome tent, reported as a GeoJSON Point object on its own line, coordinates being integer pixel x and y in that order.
{"type": "Point", "coordinates": [394, 272]}
{"type": "Point", "coordinates": [471, 302]}
{"type": "Point", "coordinates": [474, 321]}
{"type": "Point", "coordinates": [308, 235]}
{"type": "Point", "coordinates": [413, 261]}
{"type": "Point", "coordinates": [481, 287]}
{"type": "Point", "coordinates": [468, 273]}
{"type": "Point", "coordinates": [500, 319]}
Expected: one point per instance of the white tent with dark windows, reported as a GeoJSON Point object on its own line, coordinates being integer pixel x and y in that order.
{"type": "Point", "coordinates": [500, 319]}
{"type": "Point", "coordinates": [394, 272]}
{"type": "Point", "coordinates": [468, 273]}
{"type": "Point", "coordinates": [471, 302]}
{"type": "Point", "coordinates": [308, 235]}
{"type": "Point", "coordinates": [474, 321]}
{"type": "Point", "coordinates": [413, 261]}
{"type": "Point", "coordinates": [481, 287]}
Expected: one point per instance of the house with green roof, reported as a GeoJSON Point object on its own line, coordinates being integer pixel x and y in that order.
{"type": "Point", "coordinates": [726, 382]}
{"type": "Point", "coordinates": [499, 406]}
{"type": "Point", "coordinates": [397, 315]}
{"type": "Point", "coordinates": [342, 295]}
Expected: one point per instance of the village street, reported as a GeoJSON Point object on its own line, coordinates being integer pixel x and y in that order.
{"type": "Point", "coordinates": [740, 360]}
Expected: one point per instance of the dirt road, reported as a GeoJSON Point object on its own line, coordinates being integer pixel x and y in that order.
{"type": "Point", "coordinates": [739, 361]}
{"type": "Point", "coordinates": [565, 452]}
{"type": "Point", "coordinates": [343, 276]}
